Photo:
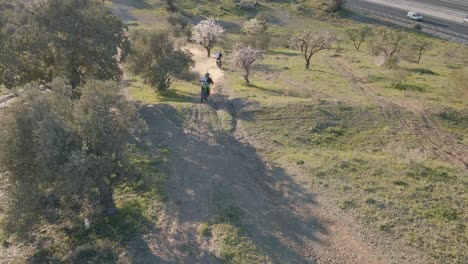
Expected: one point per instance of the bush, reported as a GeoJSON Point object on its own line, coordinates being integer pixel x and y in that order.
{"type": "Point", "coordinates": [44, 255]}
{"type": "Point", "coordinates": [417, 26]}
{"type": "Point", "coordinates": [247, 4]}
{"type": "Point", "coordinates": [398, 78]}
{"type": "Point", "coordinates": [155, 58]}
{"type": "Point", "coordinates": [334, 5]}
{"type": "Point", "coordinates": [93, 253]}
{"type": "Point", "coordinates": [181, 25]}
{"type": "Point", "coordinates": [204, 230]}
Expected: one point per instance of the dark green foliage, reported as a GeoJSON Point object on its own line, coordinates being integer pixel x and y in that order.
{"type": "Point", "coordinates": [454, 118]}
{"type": "Point", "coordinates": [155, 58]}
{"type": "Point", "coordinates": [181, 25]}
{"type": "Point", "coordinates": [74, 39]}
{"type": "Point", "coordinates": [53, 146]}
{"type": "Point", "coordinates": [171, 7]}
{"type": "Point", "coordinates": [44, 255]}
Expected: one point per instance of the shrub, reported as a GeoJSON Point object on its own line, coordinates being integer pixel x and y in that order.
{"type": "Point", "coordinates": [93, 253]}
{"type": "Point", "coordinates": [155, 58]}
{"type": "Point", "coordinates": [247, 4]}
{"type": "Point", "coordinates": [417, 26]}
{"type": "Point", "coordinates": [398, 78]}
{"type": "Point", "coordinates": [334, 5]}
{"type": "Point", "coordinates": [204, 230]}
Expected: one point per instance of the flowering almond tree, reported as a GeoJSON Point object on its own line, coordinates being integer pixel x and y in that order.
{"type": "Point", "coordinates": [309, 43]}
{"type": "Point", "coordinates": [207, 33]}
{"type": "Point", "coordinates": [243, 58]}
{"type": "Point", "coordinates": [254, 26]}
{"type": "Point", "coordinates": [255, 33]}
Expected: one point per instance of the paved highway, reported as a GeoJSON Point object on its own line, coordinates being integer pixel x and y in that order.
{"type": "Point", "coordinates": [442, 18]}
{"type": "Point", "coordinates": [460, 5]}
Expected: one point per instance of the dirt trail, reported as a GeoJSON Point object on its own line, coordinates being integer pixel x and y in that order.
{"type": "Point", "coordinates": [6, 100]}
{"type": "Point", "coordinates": [209, 166]}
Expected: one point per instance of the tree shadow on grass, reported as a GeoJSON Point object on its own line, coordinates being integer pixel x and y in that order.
{"type": "Point", "coordinates": [173, 96]}
{"type": "Point", "coordinates": [266, 68]}
{"type": "Point", "coordinates": [138, 4]}
{"type": "Point", "coordinates": [274, 92]}
{"type": "Point", "coordinates": [409, 87]}
{"type": "Point", "coordinates": [282, 52]}
{"type": "Point", "coordinates": [101, 243]}
{"type": "Point", "coordinates": [422, 71]}
{"type": "Point", "coordinates": [206, 160]}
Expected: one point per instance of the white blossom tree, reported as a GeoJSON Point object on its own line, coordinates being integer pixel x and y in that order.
{"type": "Point", "coordinates": [255, 33]}
{"type": "Point", "coordinates": [254, 26]}
{"type": "Point", "coordinates": [243, 57]}
{"type": "Point", "coordinates": [207, 33]}
{"type": "Point", "coordinates": [309, 43]}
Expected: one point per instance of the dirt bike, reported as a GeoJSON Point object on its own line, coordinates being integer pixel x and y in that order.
{"type": "Point", "coordinates": [219, 63]}
{"type": "Point", "coordinates": [205, 92]}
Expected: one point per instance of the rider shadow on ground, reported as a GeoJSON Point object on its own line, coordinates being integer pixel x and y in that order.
{"type": "Point", "coordinates": [208, 161]}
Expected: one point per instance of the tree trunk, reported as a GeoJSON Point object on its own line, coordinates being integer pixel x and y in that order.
{"type": "Point", "coordinates": [420, 54]}
{"type": "Point", "coordinates": [107, 197]}
{"type": "Point", "coordinates": [208, 49]}
{"type": "Point", "coordinates": [246, 78]}
{"type": "Point", "coordinates": [307, 64]}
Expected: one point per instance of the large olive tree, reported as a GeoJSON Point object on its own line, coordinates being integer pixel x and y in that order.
{"type": "Point", "coordinates": [155, 58]}
{"type": "Point", "coordinates": [54, 145]}
{"type": "Point", "coordinates": [74, 39]}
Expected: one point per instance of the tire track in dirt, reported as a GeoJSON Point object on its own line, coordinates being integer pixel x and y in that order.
{"type": "Point", "coordinates": [430, 138]}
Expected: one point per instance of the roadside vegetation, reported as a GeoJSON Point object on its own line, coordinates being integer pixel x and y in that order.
{"type": "Point", "coordinates": [374, 118]}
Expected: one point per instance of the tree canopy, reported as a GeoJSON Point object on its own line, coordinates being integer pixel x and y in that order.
{"type": "Point", "coordinates": [155, 58]}
{"type": "Point", "coordinates": [207, 33]}
{"type": "Point", "coordinates": [74, 39]}
{"type": "Point", "coordinates": [52, 144]}
{"type": "Point", "coordinates": [243, 57]}
{"type": "Point", "coordinates": [309, 43]}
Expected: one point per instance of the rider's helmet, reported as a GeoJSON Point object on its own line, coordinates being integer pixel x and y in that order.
{"type": "Point", "coordinates": [207, 75]}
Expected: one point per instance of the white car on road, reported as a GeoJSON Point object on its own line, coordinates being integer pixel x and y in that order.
{"type": "Point", "coordinates": [414, 16]}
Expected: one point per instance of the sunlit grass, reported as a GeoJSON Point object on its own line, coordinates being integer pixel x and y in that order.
{"type": "Point", "coordinates": [179, 92]}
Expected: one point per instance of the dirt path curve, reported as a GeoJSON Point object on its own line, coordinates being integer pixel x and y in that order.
{"type": "Point", "coordinates": [210, 169]}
